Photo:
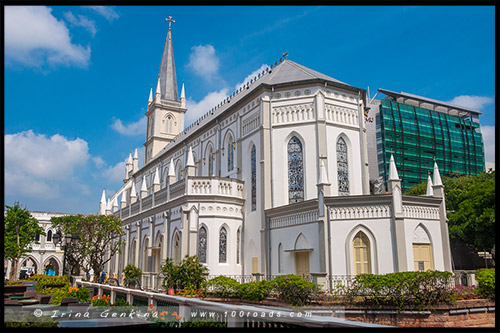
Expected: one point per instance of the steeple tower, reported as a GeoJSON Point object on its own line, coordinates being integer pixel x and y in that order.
{"type": "Point", "coordinates": [165, 115]}
{"type": "Point", "coordinates": [167, 77]}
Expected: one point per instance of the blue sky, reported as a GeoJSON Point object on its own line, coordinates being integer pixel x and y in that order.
{"type": "Point", "coordinates": [77, 79]}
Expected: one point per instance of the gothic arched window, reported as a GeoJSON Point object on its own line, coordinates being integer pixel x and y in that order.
{"type": "Point", "coordinates": [169, 124]}
{"type": "Point", "coordinates": [178, 171]}
{"type": "Point", "coordinates": [202, 244]}
{"type": "Point", "coordinates": [49, 236]}
{"type": "Point", "coordinates": [210, 161]}
{"type": "Point", "coordinates": [222, 245]}
{"type": "Point", "coordinates": [253, 160]}
{"type": "Point", "coordinates": [177, 249]}
{"type": "Point", "coordinates": [342, 167]}
{"type": "Point", "coordinates": [295, 171]}
{"type": "Point", "coordinates": [230, 153]}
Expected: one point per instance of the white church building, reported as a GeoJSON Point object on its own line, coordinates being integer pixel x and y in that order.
{"type": "Point", "coordinates": [272, 180]}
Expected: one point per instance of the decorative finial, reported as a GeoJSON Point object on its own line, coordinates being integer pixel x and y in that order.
{"type": "Point", "coordinates": [285, 54]}
{"type": "Point", "coordinates": [170, 21]}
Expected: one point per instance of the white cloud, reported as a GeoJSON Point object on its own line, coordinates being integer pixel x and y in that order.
{"type": "Point", "coordinates": [197, 109]}
{"type": "Point", "coordinates": [36, 165]}
{"type": "Point", "coordinates": [471, 102]}
{"type": "Point", "coordinates": [115, 173]}
{"type": "Point", "coordinates": [478, 103]}
{"type": "Point", "coordinates": [81, 21]}
{"type": "Point", "coordinates": [132, 129]}
{"type": "Point", "coordinates": [34, 37]}
{"type": "Point", "coordinates": [109, 13]}
{"type": "Point", "coordinates": [203, 61]}
{"type": "Point", "coordinates": [98, 161]}
{"type": "Point", "coordinates": [489, 143]}
{"type": "Point", "coordinates": [251, 76]}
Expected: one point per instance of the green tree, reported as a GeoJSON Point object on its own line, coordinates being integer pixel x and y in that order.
{"type": "Point", "coordinates": [470, 204]}
{"type": "Point", "coordinates": [21, 232]}
{"type": "Point", "coordinates": [100, 239]}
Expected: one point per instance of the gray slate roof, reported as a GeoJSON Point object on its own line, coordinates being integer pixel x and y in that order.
{"type": "Point", "coordinates": [289, 71]}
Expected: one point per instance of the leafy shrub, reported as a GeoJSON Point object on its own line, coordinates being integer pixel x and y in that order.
{"type": "Point", "coordinates": [189, 292]}
{"type": "Point", "coordinates": [57, 294]}
{"type": "Point", "coordinates": [43, 280]}
{"type": "Point", "coordinates": [190, 273]}
{"type": "Point", "coordinates": [221, 286]}
{"type": "Point", "coordinates": [486, 282]}
{"type": "Point", "coordinates": [465, 292]}
{"type": "Point", "coordinates": [82, 294]}
{"type": "Point", "coordinates": [131, 274]}
{"type": "Point", "coordinates": [294, 289]}
{"type": "Point", "coordinates": [404, 289]}
{"type": "Point", "coordinates": [255, 291]}
{"type": "Point", "coordinates": [121, 302]}
{"type": "Point", "coordinates": [99, 300]}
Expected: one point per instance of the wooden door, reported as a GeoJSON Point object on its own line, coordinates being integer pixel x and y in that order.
{"type": "Point", "coordinates": [302, 263]}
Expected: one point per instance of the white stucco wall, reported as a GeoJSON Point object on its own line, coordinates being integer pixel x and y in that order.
{"type": "Point", "coordinates": [379, 232]}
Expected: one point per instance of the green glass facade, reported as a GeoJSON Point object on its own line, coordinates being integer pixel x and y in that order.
{"type": "Point", "coordinates": [415, 136]}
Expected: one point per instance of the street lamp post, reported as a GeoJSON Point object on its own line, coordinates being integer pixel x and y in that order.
{"type": "Point", "coordinates": [68, 239]}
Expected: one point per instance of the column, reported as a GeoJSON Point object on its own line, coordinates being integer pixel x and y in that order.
{"type": "Point", "coordinates": [137, 244]}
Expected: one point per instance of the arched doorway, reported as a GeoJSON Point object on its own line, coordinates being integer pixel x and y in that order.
{"type": "Point", "coordinates": [51, 267]}
{"type": "Point", "coordinates": [30, 265]}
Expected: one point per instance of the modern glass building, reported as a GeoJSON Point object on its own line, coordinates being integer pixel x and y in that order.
{"type": "Point", "coordinates": [418, 130]}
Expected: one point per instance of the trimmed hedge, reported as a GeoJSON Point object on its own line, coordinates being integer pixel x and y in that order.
{"type": "Point", "coordinates": [221, 286]}
{"type": "Point", "coordinates": [486, 282]}
{"type": "Point", "coordinates": [291, 288]}
{"type": "Point", "coordinates": [294, 289]}
{"type": "Point", "coordinates": [419, 290]}
{"type": "Point", "coordinates": [255, 291]}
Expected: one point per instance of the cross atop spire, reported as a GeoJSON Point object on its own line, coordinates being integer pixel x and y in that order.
{"type": "Point", "coordinates": [167, 79]}
{"type": "Point", "coordinates": [285, 54]}
{"type": "Point", "coordinates": [170, 21]}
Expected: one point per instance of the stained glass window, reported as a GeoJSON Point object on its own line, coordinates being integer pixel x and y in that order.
{"type": "Point", "coordinates": [254, 178]}
{"type": "Point", "coordinates": [210, 161]}
{"type": "Point", "coordinates": [222, 245]}
{"type": "Point", "coordinates": [295, 171]}
{"type": "Point", "coordinates": [202, 245]}
{"type": "Point", "coordinates": [342, 167]}
{"type": "Point", "coordinates": [230, 154]}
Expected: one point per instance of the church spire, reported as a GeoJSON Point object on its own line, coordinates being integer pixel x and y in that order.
{"type": "Point", "coordinates": [167, 77]}
{"type": "Point", "coordinates": [183, 96]}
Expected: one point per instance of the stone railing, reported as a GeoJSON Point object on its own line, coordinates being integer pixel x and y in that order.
{"type": "Point", "coordinates": [215, 186]}
{"type": "Point", "coordinates": [151, 281]}
{"type": "Point", "coordinates": [190, 309]}
{"type": "Point", "coordinates": [210, 186]}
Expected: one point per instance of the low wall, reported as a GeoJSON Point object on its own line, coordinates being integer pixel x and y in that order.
{"type": "Point", "coordinates": [468, 313]}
